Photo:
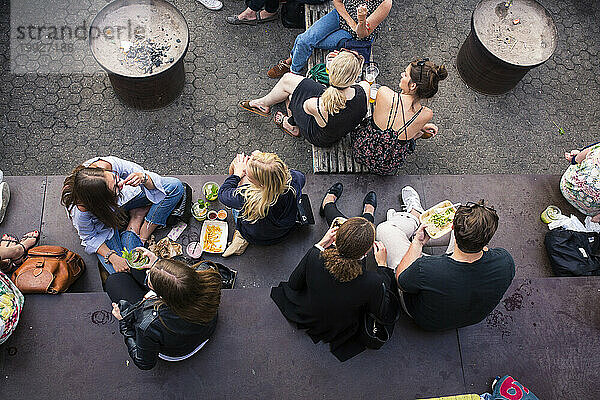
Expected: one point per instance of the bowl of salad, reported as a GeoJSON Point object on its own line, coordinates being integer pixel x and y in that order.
{"type": "Point", "coordinates": [200, 209]}
{"type": "Point", "coordinates": [211, 191]}
{"type": "Point", "coordinates": [135, 258]}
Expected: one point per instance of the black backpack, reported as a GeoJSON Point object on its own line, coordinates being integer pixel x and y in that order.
{"type": "Point", "coordinates": [573, 253]}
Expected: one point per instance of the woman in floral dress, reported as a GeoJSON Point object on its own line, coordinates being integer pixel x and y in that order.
{"type": "Point", "coordinates": [580, 184]}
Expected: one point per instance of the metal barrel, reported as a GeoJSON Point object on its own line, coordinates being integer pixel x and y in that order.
{"type": "Point", "coordinates": [150, 92]}
{"type": "Point", "coordinates": [484, 72]}
{"type": "Point", "coordinates": [505, 42]}
{"type": "Point", "coordinates": [162, 24]}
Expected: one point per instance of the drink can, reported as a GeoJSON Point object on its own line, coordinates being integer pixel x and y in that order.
{"type": "Point", "coordinates": [550, 214]}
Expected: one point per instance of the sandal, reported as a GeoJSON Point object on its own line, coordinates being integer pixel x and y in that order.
{"type": "Point", "coordinates": [9, 238]}
{"type": "Point", "coordinates": [279, 119]}
{"type": "Point", "coordinates": [30, 235]}
{"type": "Point", "coordinates": [246, 106]}
{"type": "Point", "coordinates": [234, 20]}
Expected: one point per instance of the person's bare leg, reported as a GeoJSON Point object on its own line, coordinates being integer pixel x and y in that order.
{"type": "Point", "coordinates": [329, 198]}
{"type": "Point", "coordinates": [136, 219]}
{"type": "Point", "coordinates": [282, 90]}
{"type": "Point", "coordinates": [11, 250]}
{"type": "Point", "coordinates": [250, 14]}
{"type": "Point", "coordinates": [146, 230]}
{"type": "Point", "coordinates": [265, 14]}
{"type": "Point", "coordinates": [293, 129]}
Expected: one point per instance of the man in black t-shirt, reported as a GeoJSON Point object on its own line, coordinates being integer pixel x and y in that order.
{"type": "Point", "coordinates": [458, 289]}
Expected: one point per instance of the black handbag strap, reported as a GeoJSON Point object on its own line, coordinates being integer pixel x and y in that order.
{"type": "Point", "coordinates": [393, 298]}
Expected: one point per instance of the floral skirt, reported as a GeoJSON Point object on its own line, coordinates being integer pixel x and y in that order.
{"type": "Point", "coordinates": [382, 152]}
{"type": "Point", "coordinates": [11, 304]}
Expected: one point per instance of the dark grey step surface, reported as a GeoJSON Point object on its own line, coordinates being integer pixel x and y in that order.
{"type": "Point", "coordinates": [519, 200]}
{"type": "Point", "coordinates": [57, 229]}
{"type": "Point", "coordinates": [70, 345]}
{"type": "Point", "coordinates": [24, 211]}
{"type": "Point", "coordinates": [545, 333]}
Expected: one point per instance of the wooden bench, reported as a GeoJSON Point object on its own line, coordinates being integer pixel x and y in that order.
{"type": "Point", "coordinates": [337, 158]}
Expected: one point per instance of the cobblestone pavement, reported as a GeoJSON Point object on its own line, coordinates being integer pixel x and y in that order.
{"type": "Point", "coordinates": [51, 122]}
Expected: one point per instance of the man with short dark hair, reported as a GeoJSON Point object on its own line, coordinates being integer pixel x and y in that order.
{"type": "Point", "coordinates": [453, 290]}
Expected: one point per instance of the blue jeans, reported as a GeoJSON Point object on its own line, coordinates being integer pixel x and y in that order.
{"type": "Point", "coordinates": [120, 240]}
{"type": "Point", "coordinates": [157, 214]}
{"type": "Point", "coordinates": [323, 34]}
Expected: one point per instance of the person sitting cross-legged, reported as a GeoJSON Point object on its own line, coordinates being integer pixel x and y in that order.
{"type": "Point", "coordinates": [451, 290]}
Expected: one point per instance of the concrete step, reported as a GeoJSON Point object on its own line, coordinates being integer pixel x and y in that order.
{"type": "Point", "coordinates": [519, 199]}
{"type": "Point", "coordinates": [544, 333]}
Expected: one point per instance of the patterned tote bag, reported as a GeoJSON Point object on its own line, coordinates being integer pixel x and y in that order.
{"type": "Point", "coordinates": [11, 304]}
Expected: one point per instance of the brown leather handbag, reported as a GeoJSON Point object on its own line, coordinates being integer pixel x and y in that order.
{"type": "Point", "coordinates": [48, 269]}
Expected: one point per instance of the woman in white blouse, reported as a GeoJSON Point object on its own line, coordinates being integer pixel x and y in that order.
{"type": "Point", "coordinates": [99, 193]}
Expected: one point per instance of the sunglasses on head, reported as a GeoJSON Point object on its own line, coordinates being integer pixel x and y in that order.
{"type": "Point", "coordinates": [355, 53]}
{"type": "Point", "coordinates": [421, 63]}
{"type": "Point", "coordinates": [471, 204]}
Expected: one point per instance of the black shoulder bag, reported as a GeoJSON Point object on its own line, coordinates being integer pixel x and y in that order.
{"type": "Point", "coordinates": [305, 215]}
{"type": "Point", "coordinates": [227, 274]}
{"type": "Point", "coordinates": [376, 330]}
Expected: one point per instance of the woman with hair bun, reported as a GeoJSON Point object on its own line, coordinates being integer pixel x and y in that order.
{"type": "Point", "coordinates": [168, 311]}
{"type": "Point", "coordinates": [330, 291]}
{"type": "Point", "coordinates": [321, 115]}
{"type": "Point", "coordinates": [263, 193]}
{"type": "Point", "coordinates": [398, 119]}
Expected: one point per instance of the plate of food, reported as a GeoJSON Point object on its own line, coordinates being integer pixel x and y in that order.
{"type": "Point", "coordinates": [213, 236]}
{"type": "Point", "coordinates": [439, 219]}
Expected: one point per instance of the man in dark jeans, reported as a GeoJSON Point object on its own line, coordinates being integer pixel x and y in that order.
{"type": "Point", "coordinates": [463, 287]}
{"type": "Point", "coordinates": [258, 11]}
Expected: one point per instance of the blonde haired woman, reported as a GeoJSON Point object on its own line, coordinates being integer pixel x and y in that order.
{"type": "Point", "coordinates": [321, 115]}
{"type": "Point", "coordinates": [264, 194]}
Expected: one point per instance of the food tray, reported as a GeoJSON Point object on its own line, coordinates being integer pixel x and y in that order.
{"type": "Point", "coordinates": [221, 243]}
{"type": "Point", "coordinates": [433, 231]}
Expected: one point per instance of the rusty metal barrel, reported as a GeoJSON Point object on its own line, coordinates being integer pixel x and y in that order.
{"type": "Point", "coordinates": [141, 44]}
{"type": "Point", "coordinates": [507, 39]}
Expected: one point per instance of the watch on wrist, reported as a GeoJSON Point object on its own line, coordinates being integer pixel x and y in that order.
{"type": "Point", "coordinates": [145, 179]}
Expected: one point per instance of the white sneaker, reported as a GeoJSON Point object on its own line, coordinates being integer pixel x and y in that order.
{"type": "Point", "coordinates": [4, 199]}
{"type": "Point", "coordinates": [411, 199]}
{"type": "Point", "coordinates": [211, 4]}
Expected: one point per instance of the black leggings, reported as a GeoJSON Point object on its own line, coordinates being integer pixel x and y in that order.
{"type": "Point", "coordinates": [270, 6]}
{"type": "Point", "coordinates": [128, 286]}
{"type": "Point", "coordinates": [332, 212]}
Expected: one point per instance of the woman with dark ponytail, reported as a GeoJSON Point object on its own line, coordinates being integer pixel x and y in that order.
{"type": "Point", "coordinates": [384, 140]}
{"type": "Point", "coordinates": [330, 290]}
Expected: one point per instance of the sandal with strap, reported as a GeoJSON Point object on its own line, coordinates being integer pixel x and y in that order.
{"type": "Point", "coordinates": [234, 20]}
{"type": "Point", "coordinates": [256, 110]}
{"type": "Point", "coordinates": [278, 120]}
{"type": "Point", "coordinates": [9, 239]}
{"type": "Point", "coordinates": [30, 235]}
